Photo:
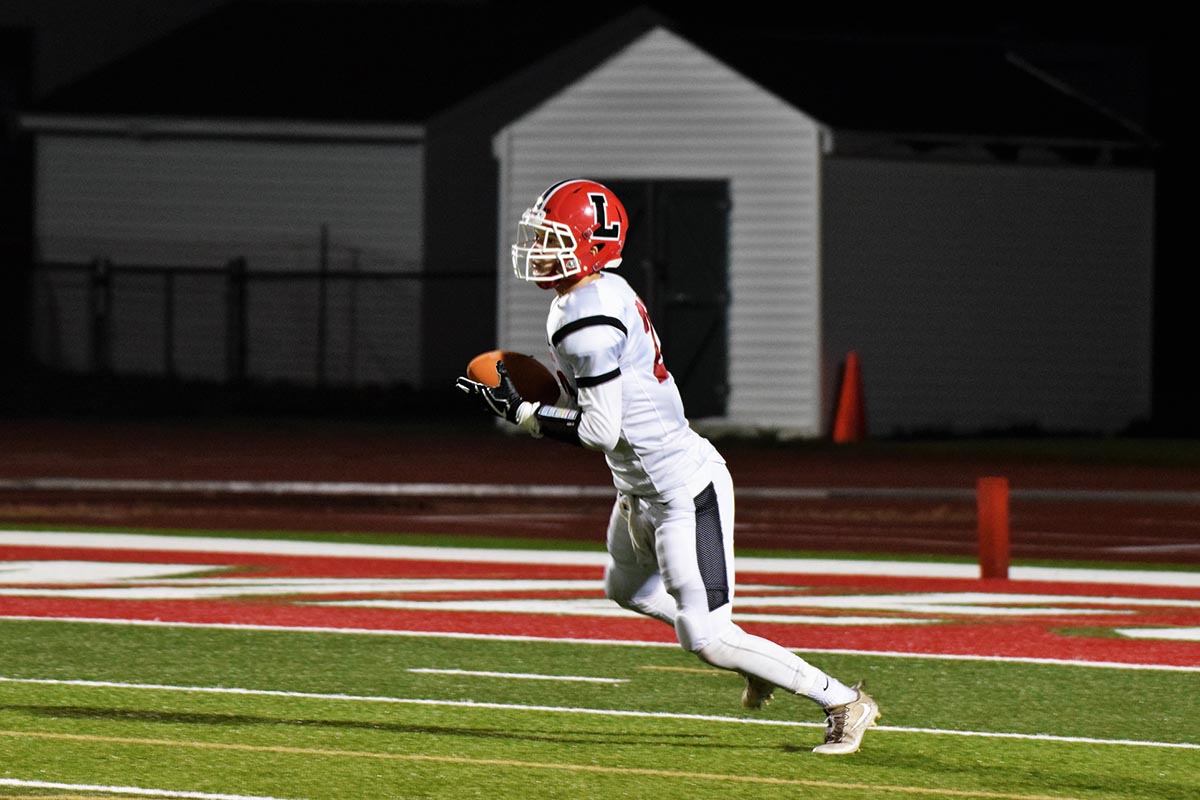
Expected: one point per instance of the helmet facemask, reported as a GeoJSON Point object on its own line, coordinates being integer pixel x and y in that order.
{"type": "Point", "coordinates": [545, 250]}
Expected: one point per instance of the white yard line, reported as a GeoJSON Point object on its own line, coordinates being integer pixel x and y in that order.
{"type": "Point", "coordinates": [608, 712]}
{"type": "Point", "coordinates": [522, 676]}
{"type": "Point", "coordinates": [135, 790]}
{"type": "Point", "coordinates": [501, 637]}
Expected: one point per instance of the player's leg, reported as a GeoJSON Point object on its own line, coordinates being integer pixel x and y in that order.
{"type": "Point", "coordinates": [631, 577]}
{"type": "Point", "coordinates": [695, 554]}
{"type": "Point", "coordinates": [715, 553]}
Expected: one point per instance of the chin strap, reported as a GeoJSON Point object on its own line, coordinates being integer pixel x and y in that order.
{"type": "Point", "coordinates": [538, 420]}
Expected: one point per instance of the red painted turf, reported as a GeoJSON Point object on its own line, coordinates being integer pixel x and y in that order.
{"type": "Point", "coordinates": [303, 451]}
{"type": "Point", "coordinates": [1012, 637]}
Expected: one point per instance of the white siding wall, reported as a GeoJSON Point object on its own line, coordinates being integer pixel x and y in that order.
{"type": "Point", "coordinates": [663, 109]}
{"type": "Point", "coordinates": [205, 201]}
{"type": "Point", "coordinates": [201, 202]}
{"type": "Point", "coordinates": [992, 296]}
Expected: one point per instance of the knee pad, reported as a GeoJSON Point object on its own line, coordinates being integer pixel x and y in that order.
{"type": "Point", "coordinates": [694, 631]}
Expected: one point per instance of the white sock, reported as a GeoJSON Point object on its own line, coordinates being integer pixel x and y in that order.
{"type": "Point", "coordinates": [829, 691]}
{"type": "Point", "coordinates": [753, 655]}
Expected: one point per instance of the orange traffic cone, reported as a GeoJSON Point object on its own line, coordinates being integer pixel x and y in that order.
{"type": "Point", "coordinates": [850, 423]}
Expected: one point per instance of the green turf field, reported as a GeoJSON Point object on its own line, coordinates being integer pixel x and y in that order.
{"type": "Point", "coordinates": [88, 708]}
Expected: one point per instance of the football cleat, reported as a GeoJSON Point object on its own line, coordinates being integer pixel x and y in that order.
{"type": "Point", "coordinates": [757, 693]}
{"type": "Point", "coordinates": [846, 724]}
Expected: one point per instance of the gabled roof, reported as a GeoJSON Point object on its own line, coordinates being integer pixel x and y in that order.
{"type": "Point", "coordinates": [408, 62]}
{"type": "Point", "coordinates": [349, 60]}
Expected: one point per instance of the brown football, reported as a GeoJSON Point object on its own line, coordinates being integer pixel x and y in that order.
{"type": "Point", "coordinates": [530, 376]}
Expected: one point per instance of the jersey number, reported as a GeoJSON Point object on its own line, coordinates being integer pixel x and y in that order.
{"type": "Point", "coordinates": [660, 369]}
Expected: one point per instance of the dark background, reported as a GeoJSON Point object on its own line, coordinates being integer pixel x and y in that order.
{"type": "Point", "coordinates": [1129, 63]}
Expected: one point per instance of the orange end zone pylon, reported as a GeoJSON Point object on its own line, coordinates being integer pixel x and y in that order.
{"type": "Point", "coordinates": [992, 509]}
{"type": "Point", "coordinates": [850, 421]}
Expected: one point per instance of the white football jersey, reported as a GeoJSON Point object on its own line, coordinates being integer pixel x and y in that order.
{"type": "Point", "coordinates": [600, 333]}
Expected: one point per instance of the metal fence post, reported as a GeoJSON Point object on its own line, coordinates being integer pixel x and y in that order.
{"type": "Point", "coordinates": [169, 324]}
{"type": "Point", "coordinates": [322, 305]}
{"type": "Point", "coordinates": [100, 296]}
{"type": "Point", "coordinates": [235, 321]}
{"type": "Point", "coordinates": [354, 286]}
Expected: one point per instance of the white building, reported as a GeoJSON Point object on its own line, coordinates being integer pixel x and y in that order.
{"type": "Point", "coordinates": [988, 279]}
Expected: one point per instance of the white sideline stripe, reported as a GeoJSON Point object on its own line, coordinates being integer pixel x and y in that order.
{"type": "Point", "coordinates": [1158, 548]}
{"type": "Point", "coordinates": [1174, 634]}
{"type": "Point", "coordinates": [321, 488]}
{"type": "Point", "coordinates": [593, 608]}
{"type": "Point", "coordinates": [525, 676]}
{"type": "Point", "coordinates": [603, 712]}
{"type": "Point", "coordinates": [88, 787]}
{"type": "Point", "coordinates": [353, 488]}
{"type": "Point", "coordinates": [778, 566]}
{"type": "Point", "coordinates": [289, 547]}
{"type": "Point", "coordinates": [497, 637]}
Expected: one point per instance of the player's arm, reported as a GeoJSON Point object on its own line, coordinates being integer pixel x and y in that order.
{"type": "Point", "coordinates": [592, 355]}
{"type": "Point", "coordinates": [535, 418]}
{"type": "Point", "coordinates": [596, 424]}
{"type": "Point", "coordinates": [600, 404]}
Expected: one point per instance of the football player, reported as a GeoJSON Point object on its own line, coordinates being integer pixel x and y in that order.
{"type": "Point", "coordinates": [670, 534]}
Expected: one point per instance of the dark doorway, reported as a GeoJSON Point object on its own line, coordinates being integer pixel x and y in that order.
{"type": "Point", "coordinates": [677, 259]}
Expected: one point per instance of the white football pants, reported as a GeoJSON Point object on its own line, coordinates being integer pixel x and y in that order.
{"type": "Point", "coordinates": [671, 558]}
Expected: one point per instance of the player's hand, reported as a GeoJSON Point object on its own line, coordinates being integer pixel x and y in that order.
{"type": "Point", "coordinates": [502, 400]}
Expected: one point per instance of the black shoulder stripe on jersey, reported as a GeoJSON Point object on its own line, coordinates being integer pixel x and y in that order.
{"type": "Point", "coordinates": [586, 322]}
{"type": "Point", "coordinates": [583, 383]}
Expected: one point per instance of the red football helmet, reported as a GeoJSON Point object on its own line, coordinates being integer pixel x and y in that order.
{"type": "Point", "coordinates": [575, 228]}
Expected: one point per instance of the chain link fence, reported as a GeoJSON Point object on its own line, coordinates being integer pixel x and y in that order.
{"type": "Point", "coordinates": [229, 324]}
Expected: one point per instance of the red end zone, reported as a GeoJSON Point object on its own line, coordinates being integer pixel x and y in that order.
{"type": "Point", "coordinates": [526, 596]}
